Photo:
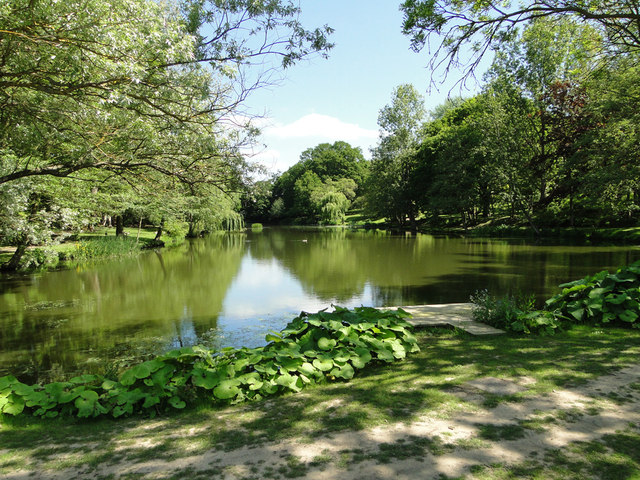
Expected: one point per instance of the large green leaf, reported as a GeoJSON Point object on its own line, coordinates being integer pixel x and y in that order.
{"type": "Point", "coordinates": [323, 364]}
{"type": "Point", "coordinates": [628, 316]}
{"type": "Point", "coordinates": [12, 405]}
{"type": "Point", "coordinates": [325, 343]}
{"type": "Point", "coordinates": [227, 389]}
{"type": "Point", "coordinates": [207, 379]}
{"type": "Point", "coordinates": [177, 402]}
{"type": "Point", "coordinates": [345, 371]}
{"type": "Point", "coordinates": [7, 381]}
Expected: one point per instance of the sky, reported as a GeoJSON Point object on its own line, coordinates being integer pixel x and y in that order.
{"type": "Point", "coordinates": [339, 98]}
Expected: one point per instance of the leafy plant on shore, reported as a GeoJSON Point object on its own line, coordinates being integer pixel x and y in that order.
{"type": "Point", "coordinates": [500, 312]}
{"type": "Point", "coordinates": [312, 348]}
{"type": "Point", "coordinates": [604, 298]}
{"type": "Point", "coordinates": [601, 299]}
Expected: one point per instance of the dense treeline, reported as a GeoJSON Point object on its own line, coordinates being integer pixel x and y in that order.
{"type": "Point", "coordinates": [130, 111]}
{"type": "Point", "coordinates": [551, 140]}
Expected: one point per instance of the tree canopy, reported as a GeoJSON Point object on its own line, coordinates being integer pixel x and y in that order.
{"type": "Point", "coordinates": [322, 185]}
{"type": "Point", "coordinates": [460, 32]}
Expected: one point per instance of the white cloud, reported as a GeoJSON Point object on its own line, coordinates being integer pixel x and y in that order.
{"type": "Point", "coordinates": [316, 125]}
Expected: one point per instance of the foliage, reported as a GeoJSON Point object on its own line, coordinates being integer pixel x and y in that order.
{"type": "Point", "coordinates": [134, 101]}
{"type": "Point", "coordinates": [500, 312]}
{"type": "Point", "coordinates": [465, 30]}
{"type": "Point", "coordinates": [38, 258]}
{"type": "Point", "coordinates": [393, 182]}
{"type": "Point", "coordinates": [601, 299]}
{"type": "Point", "coordinates": [549, 142]}
{"type": "Point", "coordinates": [322, 185]}
{"type": "Point", "coordinates": [101, 247]}
{"type": "Point", "coordinates": [312, 348]}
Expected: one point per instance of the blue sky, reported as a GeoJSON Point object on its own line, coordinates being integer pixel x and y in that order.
{"type": "Point", "coordinates": [339, 98]}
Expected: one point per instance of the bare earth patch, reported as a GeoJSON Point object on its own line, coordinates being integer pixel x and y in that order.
{"type": "Point", "coordinates": [431, 447]}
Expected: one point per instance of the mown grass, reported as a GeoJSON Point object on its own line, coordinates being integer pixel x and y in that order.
{"type": "Point", "coordinates": [427, 383]}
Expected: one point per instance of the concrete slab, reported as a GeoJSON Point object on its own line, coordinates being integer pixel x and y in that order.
{"type": "Point", "coordinates": [455, 314]}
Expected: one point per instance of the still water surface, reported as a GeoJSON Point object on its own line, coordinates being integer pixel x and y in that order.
{"type": "Point", "coordinates": [230, 289]}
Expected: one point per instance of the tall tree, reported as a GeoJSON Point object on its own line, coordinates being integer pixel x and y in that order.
{"type": "Point", "coordinates": [527, 67]}
{"type": "Point", "coordinates": [137, 89]}
{"type": "Point", "coordinates": [326, 174]}
{"type": "Point", "coordinates": [391, 192]}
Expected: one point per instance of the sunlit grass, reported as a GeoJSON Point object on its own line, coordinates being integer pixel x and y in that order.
{"type": "Point", "coordinates": [427, 384]}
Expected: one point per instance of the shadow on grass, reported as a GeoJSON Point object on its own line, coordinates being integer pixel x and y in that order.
{"type": "Point", "coordinates": [424, 383]}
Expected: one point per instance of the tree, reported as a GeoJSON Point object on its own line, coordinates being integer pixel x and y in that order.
{"type": "Point", "coordinates": [327, 173]}
{"type": "Point", "coordinates": [391, 192]}
{"type": "Point", "coordinates": [128, 85]}
{"type": "Point", "coordinates": [607, 152]}
{"type": "Point", "coordinates": [465, 30]}
{"type": "Point", "coordinates": [138, 89]}
{"type": "Point", "coordinates": [528, 66]}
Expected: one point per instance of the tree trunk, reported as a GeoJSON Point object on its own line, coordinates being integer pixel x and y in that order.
{"type": "Point", "coordinates": [119, 226]}
{"type": "Point", "coordinates": [412, 219]}
{"type": "Point", "coordinates": [192, 230]}
{"type": "Point", "coordinates": [14, 262]}
{"type": "Point", "coordinates": [159, 231]}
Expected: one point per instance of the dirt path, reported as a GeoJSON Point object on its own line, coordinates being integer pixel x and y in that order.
{"type": "Point", "coordinates": [460, 446]}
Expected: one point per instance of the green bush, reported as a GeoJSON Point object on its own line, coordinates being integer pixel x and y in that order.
{"type": "Point", "coordinates": [38, 258]}
{"type": "Point", "coordinates": [176, 230]}
{"type": "Point", "coordinates": [312, 348]}
{"type": "Point", "coordinates": [601, 299]}
{"type": "Point", "coordinates": [500, 312]}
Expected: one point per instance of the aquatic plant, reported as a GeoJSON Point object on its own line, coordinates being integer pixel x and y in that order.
{"type": "Point", "coordinates": [312, 348]}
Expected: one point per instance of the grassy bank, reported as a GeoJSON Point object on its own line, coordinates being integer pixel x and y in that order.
{"type": "Point", "coordinates": [430, 386]}
{"type": "Point", "coordinates": [101, 243]}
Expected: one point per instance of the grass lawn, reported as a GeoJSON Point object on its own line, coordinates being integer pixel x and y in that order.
{"type": "Point", "coordinates": [68, 248]}
{"type": "Point", "coordinates": [371, 424]}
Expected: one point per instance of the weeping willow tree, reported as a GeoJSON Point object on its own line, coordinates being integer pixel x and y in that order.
{"type": "Point", "coordinates": [334, 208]}
{"type": "Point", "coordinates": [210, 210]}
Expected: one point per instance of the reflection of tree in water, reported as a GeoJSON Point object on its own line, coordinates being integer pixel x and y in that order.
{"type": "Point", "coordinates": [336, 264]}
{"type": "Point", "coordinates": [126, 308]}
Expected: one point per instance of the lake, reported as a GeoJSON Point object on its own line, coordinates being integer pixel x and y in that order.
{"type": "Point", "coordinates": [230, 289]}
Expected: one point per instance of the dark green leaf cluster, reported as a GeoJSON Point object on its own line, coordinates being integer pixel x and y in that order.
{"type": "Point", "coordinates": [600, 299]}
{"type": "Point", "coordinates": [313, 348]}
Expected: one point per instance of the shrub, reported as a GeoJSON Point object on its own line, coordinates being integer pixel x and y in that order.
{"type": "Point", "coordinates": [176, 230]}
{"type": "Point", "coordinates": [102, 247]}
{"type": "Point", "coordinates": [312, 348]}
{"type": "Point", "coordinates": [500, 312]}
{"type": "Point", "coordinates": [601, 299]}
{"type": "Point", "coordinates": [38, 258]}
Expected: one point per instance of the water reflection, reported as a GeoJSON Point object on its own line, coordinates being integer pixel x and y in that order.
{"type": "Point", "coordinates": [229, 289]}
